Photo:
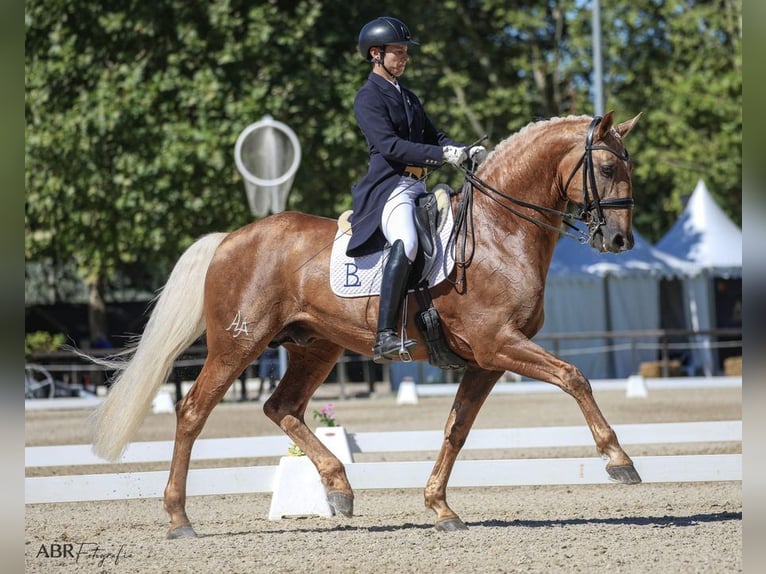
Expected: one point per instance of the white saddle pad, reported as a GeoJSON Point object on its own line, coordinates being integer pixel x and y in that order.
{"type": "Point", "coordinates": [360, 276]}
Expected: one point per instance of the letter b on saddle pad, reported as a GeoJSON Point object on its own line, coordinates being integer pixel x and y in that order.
{"type": "Point", "coordinates": [361, 276]}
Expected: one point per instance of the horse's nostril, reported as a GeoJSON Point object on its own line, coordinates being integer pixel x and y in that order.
{"type": "Point", "coordinates": [621, 242]}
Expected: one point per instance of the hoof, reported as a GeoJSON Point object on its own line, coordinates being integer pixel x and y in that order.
{"type": "Point", "coordinates": [625, 474]}
{"type": "Point", "coordinates": [181, 532]}
{"type": "Point", "coordinates": [341, 502]}
{"type": "Point", "coordinates": [451, 525]}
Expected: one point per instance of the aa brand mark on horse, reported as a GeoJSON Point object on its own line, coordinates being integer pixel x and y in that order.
{"type": "Point", "coordinates": [265, 283]}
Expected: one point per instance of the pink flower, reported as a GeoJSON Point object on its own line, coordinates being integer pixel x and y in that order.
{"type": "Point", "coordinates": [326, 415]}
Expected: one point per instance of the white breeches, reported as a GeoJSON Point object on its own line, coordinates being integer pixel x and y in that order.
{"type": "Point", "coordinates": [398, 220]}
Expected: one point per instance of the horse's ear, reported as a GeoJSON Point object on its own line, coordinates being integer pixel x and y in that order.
{"type": "Point", "coordinates": [624, 128]}
{"type": "Point", "coordinates": [605, 125]}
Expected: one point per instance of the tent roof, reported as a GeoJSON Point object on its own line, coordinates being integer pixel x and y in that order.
{"type": "Point", "coordinates": [705, 235]}
{"type": "Point", "coordinates": [571, 258]}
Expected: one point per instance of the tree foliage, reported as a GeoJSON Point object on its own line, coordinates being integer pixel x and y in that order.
{"type": "Point", "coordinates": [685, 73]}
{"type": "Point", "coordinates": [133, 108]}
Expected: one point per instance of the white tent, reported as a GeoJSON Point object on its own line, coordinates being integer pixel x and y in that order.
{"type": "Point", "coordinates": [704, 236]}
{"type": "Point", "coordinates": [590, 292]}
{"type": "Point", "coordinates": [587, 291]}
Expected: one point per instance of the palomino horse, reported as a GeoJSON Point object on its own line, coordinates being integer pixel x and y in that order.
{"type": "Point", "coordinates": [268, 282]}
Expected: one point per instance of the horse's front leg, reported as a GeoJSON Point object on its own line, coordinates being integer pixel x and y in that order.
{"type": "Point", "coordinates": [524, 357]}
{"type": "Point", "coordinates": [473, 390]}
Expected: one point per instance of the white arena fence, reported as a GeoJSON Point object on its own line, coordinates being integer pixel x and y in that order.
{"type": "Point", "coordinates": [652, 383]}
{"type": "Point", "coordinates": [449, 389]}
{"type": "Point", "coordinates": [378, 475]}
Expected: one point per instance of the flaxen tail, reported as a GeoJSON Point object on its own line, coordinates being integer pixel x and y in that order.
{"type": "Point", "coordinates": [175, 323]}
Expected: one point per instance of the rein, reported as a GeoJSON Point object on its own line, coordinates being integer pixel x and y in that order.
{"type": "Point", "coordinates": [585, 214]}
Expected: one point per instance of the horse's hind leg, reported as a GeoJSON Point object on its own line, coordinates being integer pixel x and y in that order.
{"type": "Point", "coordinates": [308, 368]}
{"type": "Point", "coordinates": [191, 413]}
{"type": "Point", "coordinates": [474, 388]}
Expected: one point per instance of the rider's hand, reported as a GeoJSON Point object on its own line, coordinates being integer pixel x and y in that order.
{"type": "Point", "coordinates": [454, 154]}
{"type": "Point", "coordinates": [477, 154]}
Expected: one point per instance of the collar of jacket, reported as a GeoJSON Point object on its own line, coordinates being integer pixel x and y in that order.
{"type": "Point", "coordinates": [385, 85]}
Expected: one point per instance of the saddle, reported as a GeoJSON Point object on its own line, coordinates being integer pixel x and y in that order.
{"type": "Point", "coordinates": [431, 215]}
{"type": "Point", "coordinates": [428, 222]}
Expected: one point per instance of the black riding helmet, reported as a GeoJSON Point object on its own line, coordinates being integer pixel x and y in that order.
{"type": "Point", "coordinates": [382, 31]}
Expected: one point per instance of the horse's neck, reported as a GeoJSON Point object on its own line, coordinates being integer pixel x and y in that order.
{"type": "Point", "coordinates": [526, 167]}
{"type": "Point", "coordinates": [502, 234]}
{"type": "Point", "coordinates": [535, 188]}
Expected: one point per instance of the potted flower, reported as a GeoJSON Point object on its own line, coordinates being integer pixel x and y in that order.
{"type": "Point", "coordinates": [326, 415]}
{"type": "Point", "coordinates": [332, 435]}
{"type": "Point", "coordinates": [326, 432]}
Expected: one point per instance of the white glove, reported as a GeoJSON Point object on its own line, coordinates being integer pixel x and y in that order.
{"type": "Point", "coordinates": [477, 154]}
{"type": "Point", "coordinates": [454, 154]}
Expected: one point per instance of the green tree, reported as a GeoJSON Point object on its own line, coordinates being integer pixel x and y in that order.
{"type": "Point", "coordinates": [132, 111]}
{"type": "Point", "coordinates": [680, 62]}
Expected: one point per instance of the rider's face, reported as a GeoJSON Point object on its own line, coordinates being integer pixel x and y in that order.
{"type": "Point", "coordinates": [395, 58]}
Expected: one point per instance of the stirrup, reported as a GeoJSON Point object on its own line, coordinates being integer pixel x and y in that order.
{"type": "Point", "coordinates": [389, 346]}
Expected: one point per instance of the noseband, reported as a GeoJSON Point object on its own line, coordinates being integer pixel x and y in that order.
{"type": "Point", "coordinates": [589, 181]}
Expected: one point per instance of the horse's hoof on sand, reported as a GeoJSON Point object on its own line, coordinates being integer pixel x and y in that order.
{"type": "Point", "coordinates": [341, 502]}
{"type": "Point", "coordinates": [625, 474]}
{"type": "Point", "coordinates": [450, 525]}
{"type": "Point", "coordinates": [182, 532]}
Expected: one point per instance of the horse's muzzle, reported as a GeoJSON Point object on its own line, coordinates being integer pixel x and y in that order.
{"type": "Point", "coordinates": [612, 241]}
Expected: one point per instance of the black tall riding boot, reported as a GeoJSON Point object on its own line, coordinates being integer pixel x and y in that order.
{"type": "Point", "coordinates": [393, 288]}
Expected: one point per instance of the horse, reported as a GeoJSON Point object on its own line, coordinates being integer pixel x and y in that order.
{"type": "Point", "coordinates": [267, 284]}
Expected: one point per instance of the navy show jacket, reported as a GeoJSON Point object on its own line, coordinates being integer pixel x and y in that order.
{"type": "Point", "coordinates": [398, 133]}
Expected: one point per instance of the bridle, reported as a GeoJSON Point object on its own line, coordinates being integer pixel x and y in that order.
{"type": "Point", "coordinates": [592, 201]}
{"type": "Point", "coordinates": [589, 178]}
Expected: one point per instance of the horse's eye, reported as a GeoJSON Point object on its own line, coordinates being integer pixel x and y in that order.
{"type": "Point", "coordinates": [607, 170]}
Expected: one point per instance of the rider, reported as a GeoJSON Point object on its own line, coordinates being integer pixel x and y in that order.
{"type": "Point", "coordinates": [403, 143]}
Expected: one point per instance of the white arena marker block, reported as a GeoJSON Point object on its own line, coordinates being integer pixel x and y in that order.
{"type": "Point", "coordinates": [636, 387]}
{"type": "Point", "coordinates": [336, 439]}
{"type": "Point", "coordinates": [163, 403]}
{"type": "Point", "coordinates": [408, 392]}
{"type": "Point", "coordinates": [298, 490]}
